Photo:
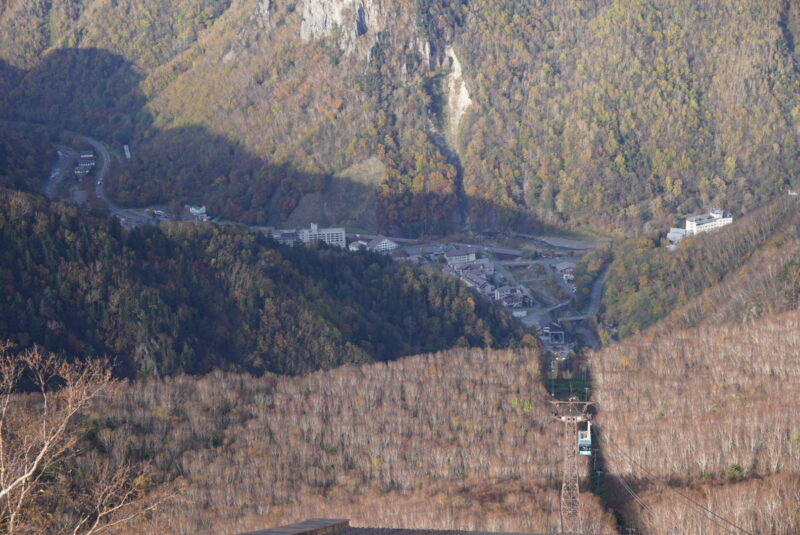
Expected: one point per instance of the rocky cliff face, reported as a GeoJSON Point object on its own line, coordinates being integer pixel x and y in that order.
{"type": "Point", "coordinates": [458, 99]}
{"type": "Point", "coordinates": [264, 8]}
{"type": "Point", "coordinates": [356, 25]}
{"type": "Point", "coordinates": [349, 20]}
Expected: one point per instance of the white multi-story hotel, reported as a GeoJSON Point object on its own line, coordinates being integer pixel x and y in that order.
{"type": "Point", "coordinates": [706, 222]}
{"type": "Point", "coordinates": [700, 223]}
{"type": "Point", "coordinates": [331, 236]}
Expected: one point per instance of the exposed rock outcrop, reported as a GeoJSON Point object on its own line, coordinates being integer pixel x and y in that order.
{"type": "Point", "coordinates": [264, 7]}
{"type": "Point", "coordinates": [349, 19]}
{"type": "Point", "coordinates": [458, 99]}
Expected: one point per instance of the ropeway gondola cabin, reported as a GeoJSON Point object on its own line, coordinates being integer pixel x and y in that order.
{"type": "Point", "coordinates": [585, 440]}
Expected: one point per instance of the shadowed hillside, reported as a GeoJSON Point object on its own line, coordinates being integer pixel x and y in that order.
{"type": "Point", "coordinates": [190, 298]}
{"type": "Point", "coordinates": [696, 408]}
{"type": "Point", "coordinates": [27, 156]}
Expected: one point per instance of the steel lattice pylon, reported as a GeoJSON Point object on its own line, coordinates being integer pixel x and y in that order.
{"type": "Point", "coordinates": [571, 413]}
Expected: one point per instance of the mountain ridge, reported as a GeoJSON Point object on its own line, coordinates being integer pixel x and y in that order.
{"type": "Point", "coordinates": [571, 122]}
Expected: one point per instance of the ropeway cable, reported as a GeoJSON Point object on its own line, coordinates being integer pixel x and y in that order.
{"type": "Point", "coordinates": [636, 497]}
{"type": "Point", "coordinates": [687, 498]}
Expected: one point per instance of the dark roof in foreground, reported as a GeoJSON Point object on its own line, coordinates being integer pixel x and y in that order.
{"type": "Point", "coordinates": [339, 526]}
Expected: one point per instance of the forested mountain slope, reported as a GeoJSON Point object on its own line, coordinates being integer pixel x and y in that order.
{"type": "Point", "coordinates": [711, 413]}
{"type": "Point", "coordinates": [26, 156]}
{"type": "Point", "coordinates": [457, 440]}
{"type": "Point", "coordinates": [487, 113]}
{"type": "Point", "coordinates": [192, 298]}
{"type": "Point", "coordinates": [768, 284]}
{"type": "Point", "coordinates": [646, 281]}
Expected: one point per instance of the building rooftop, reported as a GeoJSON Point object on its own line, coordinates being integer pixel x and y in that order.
{"type": "Point", "coordinates": [337, 526]}
{"type": "Point", "coordinates": [702, 218]}
{"type": "Point", "coordinates": [553, 326]}
{"type": "Point", "coordinates": [475, 280]}
{"type": "Point", "coordinates": [460, 252]}
{"type": "Point", "coordinates": [563, 266]}
{"type": "Point", "coordinates": [377, 240]}
{"type": "Point", "coordinates": [711, 216]}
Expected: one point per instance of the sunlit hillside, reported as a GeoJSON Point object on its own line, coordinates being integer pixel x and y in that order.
{"type": "Point", "coordinates": [710, 413]}
{"type": "Point", "coordinates": [619, 115]}
{"type": "Point", "coordinates": [462, 439]}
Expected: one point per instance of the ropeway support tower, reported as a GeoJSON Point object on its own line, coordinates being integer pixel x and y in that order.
{"type": "Point", "coordinates": [571, 413]}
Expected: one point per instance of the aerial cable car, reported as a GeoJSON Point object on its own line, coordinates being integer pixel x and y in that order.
{"type": "Point", "coordinates": [585, 440]}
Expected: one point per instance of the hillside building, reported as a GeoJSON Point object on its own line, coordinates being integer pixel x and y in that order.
{"type": "Point", "coordinates": [513, 296]}
{"type": "Point", "coordinates": [478, 282]}
{"type": "Point", "coordinates": [552, 333]}
{"type": "Point", "coordinates": [332, 236]}
{"type": "Point", "coordinates": [505, 291]}
{"type": "Point", "coordinates": [284, 236]}
{"type": "Point", "coordinates": [481, 266]}
{"type": "Point", "coordinates": [460, 256]}
{"type": "Point", "coordinates": [707, 222]}
{"type": "Point", "coordinates": [87, 159]}
{"type": "Point", "coordinates": [357, 245]}
{"type": "Point", "coordinates": [382, 244]}
{"type": "Point", "coordinates": [566, 268]}
{"type": "Point", "coordinates": [700, 223]}
{"type": "Point", "coordinates": [198, 212]}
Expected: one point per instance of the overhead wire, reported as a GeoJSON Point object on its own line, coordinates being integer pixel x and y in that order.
{"type": "Point", "coordinates": [637, 498]}
{"type": "Point", "coordinates": [687, 498]}
{"type": "Point", "coordinates": [648, 508]}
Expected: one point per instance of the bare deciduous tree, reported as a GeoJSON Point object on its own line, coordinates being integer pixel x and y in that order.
{"type": "Point", "coordinates": [39, 437]}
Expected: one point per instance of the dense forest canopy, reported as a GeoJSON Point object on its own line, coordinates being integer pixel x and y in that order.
{"type": "Point", "coordinates": [601, 112]}
{"type": "Point", "coordinates": [26, 156]}
{"type": "Point", "coordinates": [192, 298]}
{"type": "Point", "coordinates": [646, 281]}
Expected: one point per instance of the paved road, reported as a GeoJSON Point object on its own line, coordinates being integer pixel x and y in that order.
{"type": "Point", "coordinates": [597, 293]}
{"type": "Point", "coordinates": [519, 263]}
{"type": "Point", "coordinates": [102, 171]}
{"type": "Point", "coordinates": [125, 215]}
{"type": "Point", "coordinates": [596, 296]}
{"type": "Point", "coordinates": [563, 243]}
{"type": "Point", "coordinates": [491, 248]}
{"type": "Point", "coordinates": [562, 304]}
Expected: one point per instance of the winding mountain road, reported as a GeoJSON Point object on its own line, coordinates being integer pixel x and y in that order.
{"type": "Point", "coordinates": [597, 293]}
{"type": "Point", "coordinates": [594, 302]}
{"type": "Point", "coordinates": [125, 215]}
